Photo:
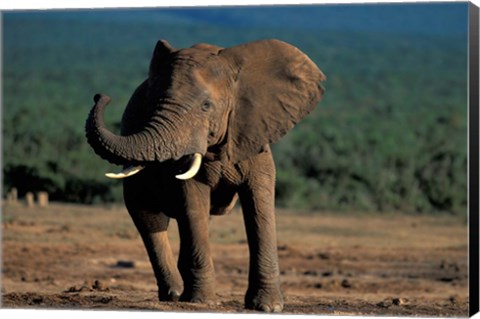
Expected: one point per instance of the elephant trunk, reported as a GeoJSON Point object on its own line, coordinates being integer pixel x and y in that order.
{"type": "Point", "coordinates": [153, 143]}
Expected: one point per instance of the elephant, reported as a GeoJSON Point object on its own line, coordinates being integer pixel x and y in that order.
{"type": "Point", "coordinates": [195, 137]}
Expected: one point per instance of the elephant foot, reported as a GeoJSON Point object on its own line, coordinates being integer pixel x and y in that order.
{"type": "Point", "coordinates": [199, 294]}
{"type": "Point", "coordinates": [170, 295]}
{"type": "Point", "coordinates": [265, 299]}
{"type": "Point", "coordinates": [204, 296]}
{"type": "Point", "coordinates": [170, 291]}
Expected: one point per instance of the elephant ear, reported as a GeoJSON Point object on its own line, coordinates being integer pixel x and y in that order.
{"type": "Point", "coordinates": [277, 86]}
{"type": "Point", "coordinates": [162, 51]}
{"type": "Point", "coordinates": [207, 47]}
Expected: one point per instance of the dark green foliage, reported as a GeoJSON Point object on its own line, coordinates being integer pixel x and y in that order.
{"type": "Point", "coordinates": [391, 133]}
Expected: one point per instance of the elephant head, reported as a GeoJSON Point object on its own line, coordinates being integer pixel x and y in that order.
{"type": "Point", "coordinates": [209, 102]}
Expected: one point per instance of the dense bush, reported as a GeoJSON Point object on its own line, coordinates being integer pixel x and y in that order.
{"type": "Point", "coordinates": [390, 134]}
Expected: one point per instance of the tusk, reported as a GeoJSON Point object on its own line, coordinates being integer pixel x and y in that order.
{"type": "Point", "coordinates": [194, 168]}
{"type": "Point", "coordinates": [129, 171]}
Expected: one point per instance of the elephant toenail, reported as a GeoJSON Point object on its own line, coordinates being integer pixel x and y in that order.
{"type": "Point", "coordinates": [197, 300]}
{"type": "Point", "coordinates": [277, 308]}
{"type": "Point", "coordinates": [174, 295]}
{"type": "Point", "coordinates": [265, 308]}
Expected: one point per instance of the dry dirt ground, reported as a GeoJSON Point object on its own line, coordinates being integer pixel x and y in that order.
{"type": "Point", "coordinates": [84, 257]}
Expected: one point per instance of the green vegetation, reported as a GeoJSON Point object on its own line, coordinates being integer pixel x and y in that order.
{"type": "Point", "coordinates": [390, 134]}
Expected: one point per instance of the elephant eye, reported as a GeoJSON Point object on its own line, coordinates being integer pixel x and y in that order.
{"type": "Point", "coordinates": [207, 105]}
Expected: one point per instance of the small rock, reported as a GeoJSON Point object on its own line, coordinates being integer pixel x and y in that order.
{"type": "Point", "coordinates": [125, 264]}
{"type": "Point", "coordinates": [346, 284]}
{"type": "Point", "coordinates": [100, 286]}
{"type": "Point", "coordinates": [399, 301]}
{"type": "Point", "coordinates": [88, 284]}
{"type": "Point", "coordinates": [76, 289]}
{"type": "Point", "coordinates": [323, 256]}
{"type": "Point", "coordinates": [106, 299]}
{"type": "Point", "coordinates": [310, 273]}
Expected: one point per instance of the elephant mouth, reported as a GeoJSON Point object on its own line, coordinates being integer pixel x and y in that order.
{"type": "Point", "coordinates": [188, 167]}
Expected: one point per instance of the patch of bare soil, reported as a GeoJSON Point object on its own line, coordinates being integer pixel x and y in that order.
{"type": "Point", "coordinates": [84, 257]}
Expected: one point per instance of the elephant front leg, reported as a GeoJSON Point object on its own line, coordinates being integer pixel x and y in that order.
{"type": "Point", "coordinates": [195, 261]}
{"type": "Point", "coordinates": [152, 226]}
{"type": "Point", "coordinates": [257, 199]}
{"type": "Point", "coordinates": [153, 230]}
{"type": "Point", "coordinates": [169, 282]}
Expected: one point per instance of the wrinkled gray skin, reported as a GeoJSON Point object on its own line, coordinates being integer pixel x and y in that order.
{"type": "Point", "coordinates": [228, 105]}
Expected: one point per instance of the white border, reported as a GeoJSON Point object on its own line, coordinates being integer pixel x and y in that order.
{"type": "Point", "coordinates": [91, 4]}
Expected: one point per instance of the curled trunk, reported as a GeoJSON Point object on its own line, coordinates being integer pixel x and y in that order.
{"type": "Point", "coordinates": [148, 145]}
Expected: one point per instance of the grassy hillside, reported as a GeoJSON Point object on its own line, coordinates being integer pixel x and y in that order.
{"type": "Point", "coordinates": [389, 135]}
